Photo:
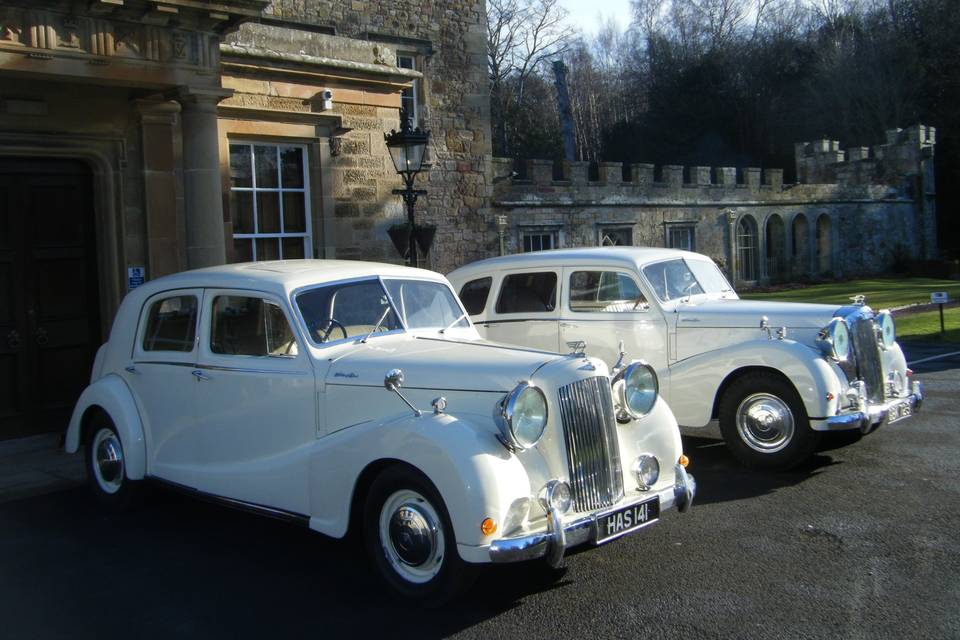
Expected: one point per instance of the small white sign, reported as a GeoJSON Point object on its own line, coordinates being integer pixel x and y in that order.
{"type": "Point", "coordinates": [136, 276]}
{"type": "Point", "coordinates": [939, 297]}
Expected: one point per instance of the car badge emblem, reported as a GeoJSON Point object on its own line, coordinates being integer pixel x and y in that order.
{"type": "Point", "coordinates": [341, 374]}
{"type": "Point", "coordinates": [577, 347]}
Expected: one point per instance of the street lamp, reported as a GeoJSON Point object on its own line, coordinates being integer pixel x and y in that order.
{"type": "Point", "coordinates": [407, 148]}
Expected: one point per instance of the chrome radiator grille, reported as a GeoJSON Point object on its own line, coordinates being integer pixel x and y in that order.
{"type": "Point", "coordinates": [866, 350]}
{"type": "Point", "coordinates": [593, 454]}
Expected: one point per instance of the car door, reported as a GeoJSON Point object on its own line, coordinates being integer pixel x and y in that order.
{"type": "Point", "coordinates": [525, 311]}
{"type": "Point", "coordinates": [257, 399]}
{"type": "Point", "coordinates": [159, 375]}
{"type": "Point", "coordinates": [602, 306]}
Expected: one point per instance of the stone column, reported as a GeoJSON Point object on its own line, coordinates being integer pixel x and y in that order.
{"type": "Point", "coordinates": [163, 196]}
{"type": "Point", "coordinates": [201, 177]}
{"type": "Point", "coordinates": [732, 245]}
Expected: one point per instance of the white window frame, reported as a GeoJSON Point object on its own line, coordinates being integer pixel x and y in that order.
{"type": "Point", "coordinates": [253, 189]}
{"type": "Point", "coordinates": [414, 90]}
{"type": "Point", "coordinates": [555, 234]}
{"type": "Point", "coordinates": [688, 226]}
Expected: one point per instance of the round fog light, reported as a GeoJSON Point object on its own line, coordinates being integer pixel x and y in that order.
{"type": "Point", "coordinates": [646, 471]}
{"type": "Point", "coordinates": [556, 495]}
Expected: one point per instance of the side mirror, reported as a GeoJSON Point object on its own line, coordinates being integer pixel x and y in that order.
{"type": "Point", "coordinates": [392, 382]}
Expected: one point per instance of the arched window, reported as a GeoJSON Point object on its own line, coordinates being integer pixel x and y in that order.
{"type": "Point", "coordinates": [801, 245]}
{"type": "Point", "coordinates": [824, 246]}
{"type": "Point", "coordinates": [747, 249]}
{"type": "Point", "coordinates": [776, 246]}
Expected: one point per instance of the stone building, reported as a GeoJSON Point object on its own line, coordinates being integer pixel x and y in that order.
{"type": "Point", "coordinates": [852, 212]}
{"type": "Point", "coordinates": [144, 137]}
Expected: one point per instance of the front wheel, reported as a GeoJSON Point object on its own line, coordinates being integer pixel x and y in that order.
{"type": "Point", "coordinates": [409, 538]}
{"type": "Point", "coordinates": [765, 424]}
{"type": "Point", "coordinates": [106, 467]}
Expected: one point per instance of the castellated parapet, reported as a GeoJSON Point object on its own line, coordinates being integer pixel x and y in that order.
{"type": "Point", "coordinates": [852, 211]}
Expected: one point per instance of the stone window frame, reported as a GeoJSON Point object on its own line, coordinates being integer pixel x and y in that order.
{"type": "Point", "coordinates": [675, 226]}
{"type": "Point", "coordinates": [554, 232]}
{"type": "Point", "coordinates": [307, 234]}
{"type": "Point", "coordinates": [604, 228]}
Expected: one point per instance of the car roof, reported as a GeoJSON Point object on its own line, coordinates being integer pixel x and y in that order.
{"type": "Point", "coordinates": [279, 277]}
{"type": "Point", "coordinates": [628, 257]}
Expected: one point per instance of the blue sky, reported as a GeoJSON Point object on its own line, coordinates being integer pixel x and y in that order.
{"type": "Point", "coordinates": [583, 13]}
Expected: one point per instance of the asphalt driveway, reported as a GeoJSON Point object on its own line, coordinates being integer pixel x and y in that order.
{"type": "Point", "coordinates": [862, 542]}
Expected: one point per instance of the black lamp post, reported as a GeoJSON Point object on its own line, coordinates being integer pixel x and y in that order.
{"type": "Point", "coordinates": [407, 148]}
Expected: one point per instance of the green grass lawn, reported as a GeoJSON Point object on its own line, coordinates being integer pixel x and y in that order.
{"type": "Point", "coordinates": [883, 293]}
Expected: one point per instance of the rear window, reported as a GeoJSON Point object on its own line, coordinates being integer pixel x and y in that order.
{"type": "Point", "coordinates": [474, 295]}
{"type": "Point", "coordinates": [528, 293]}
{"type": "Point", "coordinates": [171, 325]}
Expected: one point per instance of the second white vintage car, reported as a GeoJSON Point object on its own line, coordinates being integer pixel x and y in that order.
{"type": "Point", "coordinates": [775, 374]}
{"type": "Point", "coordinates": [358, 396]}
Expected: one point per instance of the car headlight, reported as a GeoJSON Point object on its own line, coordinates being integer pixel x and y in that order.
{"type": "Point", "coordinates": [834, 340]}
{"type": "Point", "coordinates": [522, 416]}
{"type": "Point", "coordinates": [636, 389]}
{"type": "Point", "coordinates": [886, 328]}
{"type": "Point", "coordinates": [646, 471]}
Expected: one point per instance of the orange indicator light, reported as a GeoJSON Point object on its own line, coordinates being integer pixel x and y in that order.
{"type": "Point", "coordinates": [684, 461]}
{"type": "Point", "coordinates": [488, 526]}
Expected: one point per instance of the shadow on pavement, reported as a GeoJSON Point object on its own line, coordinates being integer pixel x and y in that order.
{"type": "Point", "coordinates": [720, 478]}
{"type": "Point", "coordinates": [181, 567]}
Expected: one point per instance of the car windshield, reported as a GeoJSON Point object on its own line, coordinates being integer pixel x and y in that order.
{"type": "Point", "coordinates": [358, 309]}
{"type": "Point", "coordinates": [678, 278]}
{"type": "Point", "coordinates": [423, 304]}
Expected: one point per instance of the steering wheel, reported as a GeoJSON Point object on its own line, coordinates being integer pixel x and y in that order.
{"type": "Point", "coordinates": [326, 331]}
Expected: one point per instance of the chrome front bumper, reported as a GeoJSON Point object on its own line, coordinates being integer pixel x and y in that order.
{"type": "Point", "coordinates": [873, 415]}
{"type": "Point", "coordinates": [561, 536]}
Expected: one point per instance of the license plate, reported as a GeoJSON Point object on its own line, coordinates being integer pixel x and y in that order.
{"type": "Point", "coordinates": [622, 521]}
{"type": "Point", "coordinates": [899, 411]}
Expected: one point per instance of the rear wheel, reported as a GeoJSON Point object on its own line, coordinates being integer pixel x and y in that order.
{"type": "Point", "coordinates": [410, 540]}
{"type": "Point", "coordinates": [765, 423]}
{"type": "Point", "coordinates": [106, 467]}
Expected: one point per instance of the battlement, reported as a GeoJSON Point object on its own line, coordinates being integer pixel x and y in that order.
{"type": "Point", "coordinates": [540, 173]}
{"type": "Point", "coordinates": [824, 162]}
{"type": "Point", "coordinates": [820, 163]}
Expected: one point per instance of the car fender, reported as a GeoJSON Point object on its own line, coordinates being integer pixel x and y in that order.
{"type": "Point", "coordinates": [476, 476]}
{"type": "Point", "coordinates": [702, 376]}
{"type": "Point", "coordinates": [111, 394]}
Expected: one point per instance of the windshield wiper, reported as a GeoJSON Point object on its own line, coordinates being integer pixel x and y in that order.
{"type": "Point", "coordinates": [462, 316]}
{"type": "Point", "coordinates": [376, 328]}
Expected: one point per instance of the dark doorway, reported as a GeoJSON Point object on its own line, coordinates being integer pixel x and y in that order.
{"type": "Point", "coordinates": [49, 307]}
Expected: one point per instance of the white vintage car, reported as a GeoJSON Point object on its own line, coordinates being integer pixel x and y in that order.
{"type": "Point", "coordinates": [276, 387]}
{"type": "Point", "coordinates": [775, 374]}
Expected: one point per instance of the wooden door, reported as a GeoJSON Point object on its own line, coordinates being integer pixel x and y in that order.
{"type": "Point", "coordinates": [49, 307]}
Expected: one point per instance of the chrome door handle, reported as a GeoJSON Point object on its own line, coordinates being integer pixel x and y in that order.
{"type": "Point", "coordinates": [568, 325]}
{"type": "Point", "coordinates": [200, 375]}
{"type": "Point", "coordinates": [130, 369]}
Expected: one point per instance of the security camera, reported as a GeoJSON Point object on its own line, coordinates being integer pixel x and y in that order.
{"type": "Point", "coordinates": [327, 97]}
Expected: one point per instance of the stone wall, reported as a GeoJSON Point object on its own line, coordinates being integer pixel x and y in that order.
{"type": "Point", "coordinates": [877, 206]}
{"type": "Point", "coordinates": [448, 39]}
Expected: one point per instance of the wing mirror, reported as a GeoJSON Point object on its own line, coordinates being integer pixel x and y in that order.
{"type": "Point", "coordinates": [392, 382]}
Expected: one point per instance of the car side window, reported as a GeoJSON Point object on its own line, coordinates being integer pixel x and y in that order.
{"type": "Point", "coordinates": [605, 291]}
{"type": "Point", "coordinates": [250, 326]}
{"type": "Point", "coordinates": [528, 293]}
{"type": "Point", "coordinates": [171, 325]}
{"type": "Point", "coordinates": [474, 295]}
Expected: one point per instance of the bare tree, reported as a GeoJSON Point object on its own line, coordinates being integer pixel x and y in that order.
{"type": "Point", "coordinates": [521, 35]}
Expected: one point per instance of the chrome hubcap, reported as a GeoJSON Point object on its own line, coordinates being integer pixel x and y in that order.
{"type": "Point", "coordinates": [412, 536]}
{"type": "Point", "coordinates": [108, 461]}
{"type": "Point", "coordinates": [765, 423]}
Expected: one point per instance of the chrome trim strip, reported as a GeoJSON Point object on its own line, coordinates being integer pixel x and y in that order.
{"type": "Point", "coordinates": [270, 512]}
{"type": "Point", "coordinates": [213, 367]}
